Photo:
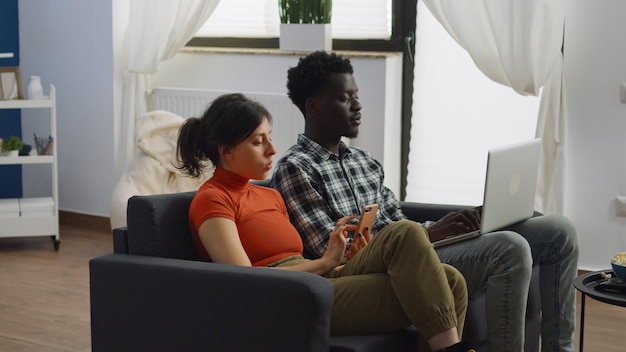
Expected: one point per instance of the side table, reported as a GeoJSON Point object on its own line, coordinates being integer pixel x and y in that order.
{"type": "Point", "coordinates": [586, 284]}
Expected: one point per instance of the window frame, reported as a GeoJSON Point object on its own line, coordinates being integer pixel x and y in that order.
{"type": "Point", "coordinates": [403, 27]}
{"type": "Point", "coordinates": [399, 28]}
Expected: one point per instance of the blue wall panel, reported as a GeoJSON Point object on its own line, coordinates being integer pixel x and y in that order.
{"type": "Point", "coordinates": [10, 123]}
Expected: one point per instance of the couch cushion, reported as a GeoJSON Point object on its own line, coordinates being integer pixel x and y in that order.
{"type": "Point", "coordinates": [158, 226]}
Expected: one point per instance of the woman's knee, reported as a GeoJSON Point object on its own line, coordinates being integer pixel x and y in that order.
{"type": "Point", "coordinates": [457, 284]}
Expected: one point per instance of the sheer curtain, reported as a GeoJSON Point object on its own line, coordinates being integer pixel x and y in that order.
{"type": "Point", "coordinates": [518, 44]}
{"type": "Point", "coordinates": [456, 109]}
{"type": "Point", "coordinates": [157, 29]}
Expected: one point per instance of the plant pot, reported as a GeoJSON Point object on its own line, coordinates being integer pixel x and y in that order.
{"type": "Point", "coordinates": [305, 37]}
{"type": "Point", "coordinates": [13, 153]}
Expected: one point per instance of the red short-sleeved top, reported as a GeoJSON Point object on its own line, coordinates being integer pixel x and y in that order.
{"type": "Point", "coordinates": [258, 212]}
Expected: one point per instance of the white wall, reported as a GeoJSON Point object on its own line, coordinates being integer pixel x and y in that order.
{"type": "Point", "coordinates": [69, 43]}
{"type": "Point", "coordinates": [78, 46]}
{"type": "Point", "coordinates": [595, 66]}
{"type": "Point", "coordinates": [379, 80]}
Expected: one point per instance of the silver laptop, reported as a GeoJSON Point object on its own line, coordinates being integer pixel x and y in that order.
{"type": "Point", "coordinates": [510, 187]}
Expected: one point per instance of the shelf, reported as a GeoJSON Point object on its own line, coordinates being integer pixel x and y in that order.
{"type": "Point", "coordinates": [25, 104]}
{"type": "Point", "coordinates": [27, 159]}
{"type": "Point", "coordinates": [36, 216]}
{"type": "Point", "coordinates": [42, 225]}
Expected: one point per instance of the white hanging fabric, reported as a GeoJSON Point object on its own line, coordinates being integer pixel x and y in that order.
{"type": "Point", "coordinates": [518, 43]}
{"type": "Point", "coordinates": [157, 30]}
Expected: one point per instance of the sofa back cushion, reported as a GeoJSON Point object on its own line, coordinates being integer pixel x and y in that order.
{"type": "Point", "coordinates": [158, 226]}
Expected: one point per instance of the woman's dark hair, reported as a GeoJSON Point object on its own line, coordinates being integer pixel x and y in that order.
{"type": "Point", "coordinates": [228, 120]}
{"type": "Point", "coordinates": [312, 74]}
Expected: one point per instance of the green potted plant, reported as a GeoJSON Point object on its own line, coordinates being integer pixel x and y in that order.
{"type": "Point", "coordinates": [12, 145]}
{"type": "Point", "coordinates": [305, 11]}
{"type": "Point", "coordinates": [305, 24]}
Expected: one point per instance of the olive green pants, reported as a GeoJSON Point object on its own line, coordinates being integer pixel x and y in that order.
{"type": "Point", "coordinates": [396, 281]}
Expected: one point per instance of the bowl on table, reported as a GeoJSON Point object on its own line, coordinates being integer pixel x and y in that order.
{"type": "Point", "coordinates": [618, 263]}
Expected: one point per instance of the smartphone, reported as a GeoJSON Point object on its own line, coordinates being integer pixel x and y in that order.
{"type": "Point", "coordinates": [366, 220]}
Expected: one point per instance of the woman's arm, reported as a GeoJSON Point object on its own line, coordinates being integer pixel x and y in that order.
{"type": "Point", "coordinates": [334, 253]}
{"type": "Point", "coordinates": [220, 238]}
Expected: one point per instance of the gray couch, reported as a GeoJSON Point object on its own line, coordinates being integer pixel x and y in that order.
{"type": "Point", "coordinates": [152, 294]}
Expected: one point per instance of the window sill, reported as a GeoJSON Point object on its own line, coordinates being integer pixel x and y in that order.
{"type": "Point", "coordinates": [278, 52]}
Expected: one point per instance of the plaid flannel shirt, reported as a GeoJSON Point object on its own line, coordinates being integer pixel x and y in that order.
{"type": "Point", "coordinates": [320, 187]}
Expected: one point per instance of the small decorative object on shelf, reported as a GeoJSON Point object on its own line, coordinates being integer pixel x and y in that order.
{"type": "Point", "coordinates": [10, 83]}
{"type": "Point", "coordinates": [25, 150]}
{"type": "Point", "coordinates": [43, 145]}
{"type": "Point", "coordinates": [12, 146]}
{"type": "Point", "coordinates": [34, 90]}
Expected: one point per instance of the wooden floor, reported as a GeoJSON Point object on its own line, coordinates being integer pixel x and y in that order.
{"type": "Point", "coordinates": [44, 294]}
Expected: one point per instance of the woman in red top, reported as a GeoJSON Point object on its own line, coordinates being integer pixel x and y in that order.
{"type": "Point", "coordinates": [393, 281]}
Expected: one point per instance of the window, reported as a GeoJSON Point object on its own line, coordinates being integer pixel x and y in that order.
{"type": "Point", "coordinates": [362, 25]}
{"type": "Point", "coordinates": [352, 19]}
{"type": "Point", "coordinates": [370, 25]}
{"type": "Point", "coordinates": [458, 115]}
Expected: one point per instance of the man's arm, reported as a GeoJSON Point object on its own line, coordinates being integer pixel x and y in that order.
{"type": "Point", "coordinates": [390, 208]}
{"type": "Point", "coordinates": [306, 206]}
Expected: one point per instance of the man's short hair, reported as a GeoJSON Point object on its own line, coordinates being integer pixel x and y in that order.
{"type": "Point", "coordinates": [312, 75]}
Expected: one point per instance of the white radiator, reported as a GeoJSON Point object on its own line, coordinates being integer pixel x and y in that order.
{"type": "Point", "coordinates": [287, 123]}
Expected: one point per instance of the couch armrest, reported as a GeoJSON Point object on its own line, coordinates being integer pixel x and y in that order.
{"type": "Point", "coordinates": [120, 240]}
{"type": "Point", "coordinates": [141, 303]}
{"type": "Point", "coordinates": [421, 212]}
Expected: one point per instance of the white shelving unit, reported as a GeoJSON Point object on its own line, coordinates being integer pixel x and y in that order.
{"type": "Point", "coordinates": [26, 222]}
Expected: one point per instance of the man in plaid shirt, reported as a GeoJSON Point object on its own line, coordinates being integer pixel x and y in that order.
{"type": "Point", "coordinates": [322, 180]}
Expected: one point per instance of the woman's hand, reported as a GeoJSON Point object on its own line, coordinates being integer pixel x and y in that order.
{"type": "Point", "coordinates": [337, 241]}
{"type": "Point", "coordinates": [334, 254]}
{"type": "Point", "coordinates": [359, 242]}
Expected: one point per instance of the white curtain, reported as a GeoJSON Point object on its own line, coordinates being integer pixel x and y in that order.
{"type": "Point", "coordinates": [518, 43]}
{"type": "Point", "coordinates": [157, 29]}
